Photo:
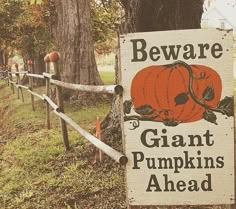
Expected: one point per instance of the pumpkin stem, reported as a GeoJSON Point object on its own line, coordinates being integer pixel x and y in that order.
{"type": "Point", "coordinates": [193, 96]}
{"type": "Point", "coordinates": [191, 77]}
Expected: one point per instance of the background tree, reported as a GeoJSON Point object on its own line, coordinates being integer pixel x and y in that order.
{"type": "Point", "coordinates": [33, 38]}
{"type": "Point", "coordinates": [23, 29]}
{"type": "Point", "coordinates": [9, 12]}
{"type": "Point", "coordinates": [106, 16]}
{"type": "Point", "coordinates": [71, 27]}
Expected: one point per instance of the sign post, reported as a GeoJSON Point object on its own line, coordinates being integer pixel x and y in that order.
{"type": "Point", "coordinates": [178, 117]}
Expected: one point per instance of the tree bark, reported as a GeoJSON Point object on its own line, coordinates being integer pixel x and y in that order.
{"type": "Point", "coordinates": [73, 34]}
{"type": "Point", "coordinates": [39, 67]}
{"type": "Point", "coordinates": [161, 15]}
{"type": "Point", "coordinates": [151, 15]}
{"type": "Point", "coordinates": [3, 57]}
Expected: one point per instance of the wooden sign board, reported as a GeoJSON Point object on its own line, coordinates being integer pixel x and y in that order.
{"type": "Point", "coordinates": [178, 117]}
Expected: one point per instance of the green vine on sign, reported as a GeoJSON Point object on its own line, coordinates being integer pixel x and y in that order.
{"type": "Point", "coordinates": [146, 112]}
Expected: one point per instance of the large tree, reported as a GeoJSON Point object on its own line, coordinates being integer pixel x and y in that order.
{"type": "Point", "coordinates": [152, 15]}
{"type": "Point", "coordinates": [71, 27]}
{"type": "Point", "coordinates": [23, 28]}
{"type": "Point", "coordinates": [9, 12]}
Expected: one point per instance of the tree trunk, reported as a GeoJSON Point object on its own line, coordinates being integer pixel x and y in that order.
{"type": "Point", "coordinates": [73, 34]}
{"type": "Point", "coordinates": [152, 15]}
{"type": "Point", "coordinates": [160, 15]}
{"type": "Point", "coordinates": [3, 57]}
{"type": "Point", "coordinates": [39, 67]}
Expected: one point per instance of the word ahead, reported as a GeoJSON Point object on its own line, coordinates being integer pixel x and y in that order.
{"type": "Point", "coordinates": [172, 52]}
{"type": "Point", "coordinates": [181, 186]}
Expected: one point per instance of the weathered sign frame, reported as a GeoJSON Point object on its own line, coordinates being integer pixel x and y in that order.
{"type": "Point", "coordinates": [123, 66]}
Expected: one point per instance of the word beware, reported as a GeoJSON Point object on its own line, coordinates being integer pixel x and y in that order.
{"type": "Point", "coordinates": [172, 52]}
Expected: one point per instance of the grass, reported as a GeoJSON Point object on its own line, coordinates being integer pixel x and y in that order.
{"type": "Point", "coordinates": [36, 172]}
{"type": "Point", "coordinates": [108, 59]}
{"type": "Point", "coordinates": [108, 77]}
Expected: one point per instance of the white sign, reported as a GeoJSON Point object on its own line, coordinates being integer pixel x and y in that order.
{"type": "Point", "coordinates": [178, 117]}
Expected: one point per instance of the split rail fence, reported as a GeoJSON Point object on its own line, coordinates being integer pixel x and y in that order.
{"type": "Point", "coordinates": [13, 80]}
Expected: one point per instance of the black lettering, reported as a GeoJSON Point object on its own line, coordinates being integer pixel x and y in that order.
{"type": "Point", "coordinates": [202, 50]}
{"type": "Point", "coordinates": [208, 135]}
{"type": "Point", "coordinates": [151, 163]}
{"type": "Point", "coordinates": [154, 51]}
{"type": "Point", "coordinates": [165, 163]}
{"type": "Point", "coordinates": [141, 50]}
{"type": "Point", "coordinates": [181, 186]}
{"type": "Point", "coordinates": [178, 141]}
{"type": "Point", "coordinates": [136, 159]}
{"type": "Point", "coordinates": [199, 159]}
{"type": "Point", "coordinates": [191, 139]}
{"type": "Point", "coordinates": [220, 162]}
{"type": "Point", "coordinates": [209, 162]}
{"type": "Point", "coordinates": [155, 141]}
{"type": "Point", "coordinates": [216, 50]}
{"type": "Point", "coordinates": [206, 184]}
{"type": "Point", "coordinates": [189, 52]}
{"type": "Point", "coordinates": [193, 187]}
{"type": "Point", "coordinates": [188, 161]}
{"type": "Point", "coordinates": [165, 140]}
{"type": "Point", "coordinates": [168, 183]}
{"type": "Point", "coordinates": [178, 162]}
{"type": "Point", "coordinates": [172, 52]}
{"type": "Point", "coordinates": [153, 183]}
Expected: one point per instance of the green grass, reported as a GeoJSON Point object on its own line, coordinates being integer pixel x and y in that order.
{"type": "Point", "coordinates": [108, 77]}
{"type": "Point", "coordinates": [37, 173]}
{"type": "Point", "coordinates": [105, 59]}
{"type": "Point", "coordinates": [35, 170]}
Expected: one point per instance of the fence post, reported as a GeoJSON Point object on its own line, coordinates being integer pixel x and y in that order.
{"type": "Point", "coordinates": [47, 63]}
{"type": "Point", "coordinates": [17, 80]}
{"type": "Point", "coordinates": [31, 82]}
{"type": "Point", "coordinates": [54, 58]}
{"type": "Point", "coordinates": [98, 152]}
{"type": "Point", "coordinates": [11, 79]}
{"type": "Point", "coordinates": [7, 74]}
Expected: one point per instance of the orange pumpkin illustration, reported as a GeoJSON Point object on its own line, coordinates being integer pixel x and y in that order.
{"type": "Point", "coordinates": [178, 92]}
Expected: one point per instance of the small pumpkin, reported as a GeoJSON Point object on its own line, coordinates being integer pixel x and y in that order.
{"type": "Point", "coordinates": [54, 56]}
{"type": "Point", "coordinates": [30, 62]}
{"type": "Point", "coordinates": [176, 93]}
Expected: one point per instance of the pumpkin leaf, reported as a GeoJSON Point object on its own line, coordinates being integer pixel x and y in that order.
{"type": "Point", "coordinates": [226, 106]}
{"type": "Point", "coordinates": [208, 94]}
{"type": "Point", "coordinates": [181, 99]}
{"type": "Point", "coordinates": [127, 106]}
{"type": "Point", "coordinates": [144, 110]}
{"type": "Point", "coordinates": [210, 117]}
{"type": "Point", "coordinates": [171, 122]}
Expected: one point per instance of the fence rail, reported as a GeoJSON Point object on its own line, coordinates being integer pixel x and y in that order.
{"type": "Point", "coordinates": [35, 75]}
{"type": "Point", "coordinates": [109, 89]}
{"type": "Point", "coordinates": [58, 108]}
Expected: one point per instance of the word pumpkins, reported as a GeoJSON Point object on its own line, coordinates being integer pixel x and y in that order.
{"type": "Point", "coordinates": [176, 93]}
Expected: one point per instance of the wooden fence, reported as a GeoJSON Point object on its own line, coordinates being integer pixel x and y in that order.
{"type": "Point", "coordinates": [12, 78]}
